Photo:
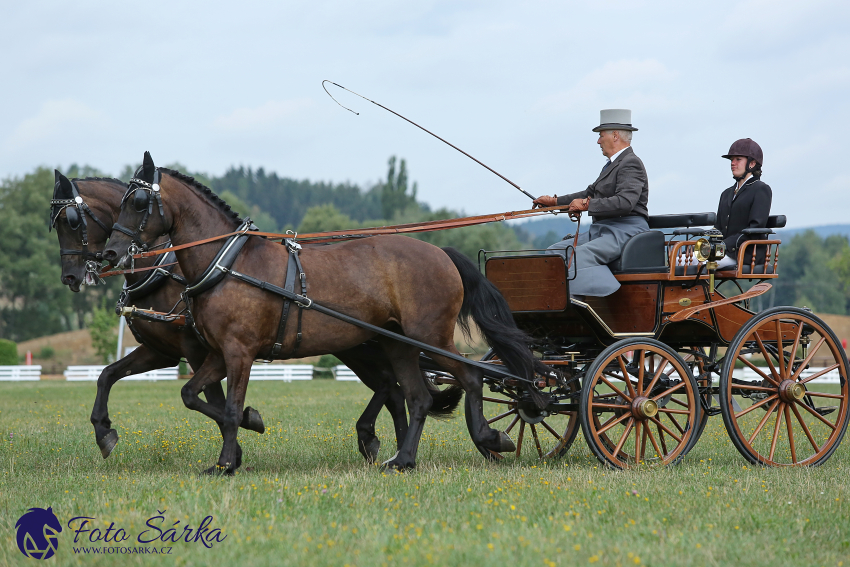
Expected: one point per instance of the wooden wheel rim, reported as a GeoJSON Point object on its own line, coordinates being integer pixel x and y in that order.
{"type": "Point", "coordinates": [795, 421]}
{"type": "Point", "coordinates": [652, 440]}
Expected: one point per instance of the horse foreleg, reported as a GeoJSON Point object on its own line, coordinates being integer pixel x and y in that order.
{"type": "Point", "coordinates": [238, 363]}
{"type": "Point", "coordinates": [251, 418]}
{"type": "Point", "coordinates": [139, 361]}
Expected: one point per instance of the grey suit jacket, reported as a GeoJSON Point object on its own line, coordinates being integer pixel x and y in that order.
{"type": "Point", "coordinates": [619, 191]}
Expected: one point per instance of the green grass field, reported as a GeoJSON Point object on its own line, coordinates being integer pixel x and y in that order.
{"type": "Point", "coordinates": [304, 496]}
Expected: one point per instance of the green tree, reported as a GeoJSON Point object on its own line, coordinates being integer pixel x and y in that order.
{"type": "Point", "coordinates": [324, 218]}
{"type": "Point", "coordinates": [103, 329]}
{"type": "Point", "coordinates": [8, 353]}
{"type": "Point", "coordinates": [394, 196]}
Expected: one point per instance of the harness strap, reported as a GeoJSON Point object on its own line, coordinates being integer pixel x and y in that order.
{"type": "Point", "coordinates": [288, 285]}
{"type": "Point", "coordinates": [303, 278]}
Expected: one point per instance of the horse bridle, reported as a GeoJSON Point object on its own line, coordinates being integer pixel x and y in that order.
{"type": "Point", "coordinates": [141, 191]}
{"type": "Point", "coordinates": [80, 209]}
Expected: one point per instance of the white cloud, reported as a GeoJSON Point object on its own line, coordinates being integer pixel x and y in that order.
{"type": "Point", "coordinates": [263, 118]}
{"type": "Point", "coordinates": [617, 83]}
{"type": "Point", "coordinates": [55, 119]}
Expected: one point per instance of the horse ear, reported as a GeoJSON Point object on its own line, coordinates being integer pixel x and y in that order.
{"type": "Point", "coordinates": [62, 188]}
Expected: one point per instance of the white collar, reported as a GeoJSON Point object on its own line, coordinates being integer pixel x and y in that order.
{"type": "Point", "coordinates": [615, 156]}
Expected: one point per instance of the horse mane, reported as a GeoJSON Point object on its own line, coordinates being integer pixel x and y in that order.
{"type": "Point", "coordinates": [205, 192]}
{"type": "Point", "coordinates": [106, 179]}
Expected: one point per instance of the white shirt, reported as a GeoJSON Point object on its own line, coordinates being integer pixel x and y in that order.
{"type": "Point", "coordinates": [615, 156]}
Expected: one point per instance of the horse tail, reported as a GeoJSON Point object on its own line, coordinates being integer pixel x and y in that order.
{"type": "Point", "coordinates": [445, 401]}
{"type": "Point", "coordinates": [489, 310]}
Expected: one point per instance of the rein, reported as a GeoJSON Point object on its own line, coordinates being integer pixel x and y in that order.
{"type": "Point", "coordinates": [341, 235]}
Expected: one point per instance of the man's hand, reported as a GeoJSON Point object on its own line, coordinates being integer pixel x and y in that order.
{"type": "Point", "coordinates": [545, 201]}
{"type": "Point", "coordinates": [579, 205]}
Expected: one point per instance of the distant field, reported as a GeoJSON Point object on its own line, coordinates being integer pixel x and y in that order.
{"type": "Point", "coordinates": [304, 496]}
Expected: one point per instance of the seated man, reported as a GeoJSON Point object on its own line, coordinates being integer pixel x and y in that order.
{"type": "Point", "coordinates": [617, 202]}
{"type": "Point", "coordinates": [744, 205]}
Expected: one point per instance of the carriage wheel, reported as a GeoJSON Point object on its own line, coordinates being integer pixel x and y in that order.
{"type": "Point", "coordinates": [544, 435]}
{"type": "Point", "coordinates": [639, 405]}
{"type": "Point", "coordinates": [787, 419]}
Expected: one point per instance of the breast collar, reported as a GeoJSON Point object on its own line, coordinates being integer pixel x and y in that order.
{"type": "Point", "coordinates": [223, 261]}
{"type": "Point", "coordinates": [152, 282]}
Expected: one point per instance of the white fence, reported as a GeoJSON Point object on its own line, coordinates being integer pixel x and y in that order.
{"type": "Point", "coordinates": [285, 372]}
{"type": "Point", "coordinates": [344, 373]}
{"type": "Point", "coordinates": [91, 373]}
{"type": "Point", "coordinates": [20, 373]}
{"type": "Point", "coordinates": [831, 377]}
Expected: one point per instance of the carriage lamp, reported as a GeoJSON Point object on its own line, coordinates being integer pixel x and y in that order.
{"type": "Point", "coordinates": [710, 248]}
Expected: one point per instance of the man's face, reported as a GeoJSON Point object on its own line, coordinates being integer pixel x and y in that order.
{"type": "Point", "coordinates": [739, 165]}
{"type": "Point", "coordinates": [608, 142]}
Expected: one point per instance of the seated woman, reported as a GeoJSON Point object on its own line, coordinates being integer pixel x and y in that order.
{"type": "Point", "coordinates": [744, 205]}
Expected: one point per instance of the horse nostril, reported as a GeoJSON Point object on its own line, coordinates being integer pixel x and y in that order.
{"type": "Point", "coordinates": [69, 279]}
{"type": "Point", "coordinates": [110, 255]}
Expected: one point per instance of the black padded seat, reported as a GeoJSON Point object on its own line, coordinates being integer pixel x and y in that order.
{"type": "Point", "coordinates": [682, 220]}
{"type": "Point", "coordinates": [643, 253]}
{"type": "Point", "coordinates": [689, 270]}
{"type": "Point", "coordinates": [728, 273]}
{"type": "Point", "coordinates": [776, 221]}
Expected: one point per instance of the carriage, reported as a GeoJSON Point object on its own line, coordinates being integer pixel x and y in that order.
{"type": "Point", "coordinates": [642, 370]}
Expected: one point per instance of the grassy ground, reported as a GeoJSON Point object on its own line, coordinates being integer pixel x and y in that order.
{"type": "Point", "coordinates": [304, 495]}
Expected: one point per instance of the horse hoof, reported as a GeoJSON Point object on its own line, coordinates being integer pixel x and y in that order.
{"type": "Point", "coordinates": [217, 470]}
{"type": "Point", "coordinates": [252, 420]}
{"type": "Point", "coordinates": [506, 444]}
{"type": "Point", "coordinates": [370, 450]}
{"type": "Point", "coordinates": [395, 465]}
{"type": "Point", "coordinates": [108, 442]}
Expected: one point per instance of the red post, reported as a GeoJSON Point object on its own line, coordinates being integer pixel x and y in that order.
{"type": "Point", "coordinates": [844, 343]}
{"type": "Point", "coordinates": [29, 358]}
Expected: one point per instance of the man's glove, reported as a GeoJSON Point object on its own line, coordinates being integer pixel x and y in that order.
{"type": "Point", "coordinates": [545, 201]}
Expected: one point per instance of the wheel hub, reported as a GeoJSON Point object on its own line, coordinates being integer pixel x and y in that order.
{"type": "Point", "coordinates": [791, 391]}
{"type": "Point", "coordinates": [644, 408]}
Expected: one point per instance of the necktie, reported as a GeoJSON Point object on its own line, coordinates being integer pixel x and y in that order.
{"type": "Point", "coordinates": [604, 167]}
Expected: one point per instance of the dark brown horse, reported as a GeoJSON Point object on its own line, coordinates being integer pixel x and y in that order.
{"type": "Point", "coordinates": [163, 344]}
{"type": "Point", "coordinates": [393, 282]}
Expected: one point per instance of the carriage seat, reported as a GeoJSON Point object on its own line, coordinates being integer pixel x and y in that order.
{"type": "Point", "coordinates": [773, 221]}
{"type": "Point", "coordinates": [643, 253]}
{"type": "Point", "coordinates": [682, 220]}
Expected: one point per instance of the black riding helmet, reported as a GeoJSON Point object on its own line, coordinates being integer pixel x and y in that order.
{"type": "Point", "coordinates": [747, 148]}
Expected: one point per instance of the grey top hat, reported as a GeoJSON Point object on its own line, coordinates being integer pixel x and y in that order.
{"type": "Point", "coordinates": [615, 119]}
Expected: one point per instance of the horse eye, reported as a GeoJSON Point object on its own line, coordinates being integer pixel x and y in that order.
{"type": "Point", "coordinates": [72, 215]}
{"type": "Point", "coordinates": [141, 200]}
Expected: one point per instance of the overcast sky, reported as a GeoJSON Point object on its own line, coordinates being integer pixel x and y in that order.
{"type": "Point", "coordinates": [519, 85]}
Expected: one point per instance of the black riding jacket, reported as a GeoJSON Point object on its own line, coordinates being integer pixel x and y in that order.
{"type": "Point", "coordinates": [748, 209]}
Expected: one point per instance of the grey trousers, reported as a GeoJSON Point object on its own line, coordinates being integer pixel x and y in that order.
{"type": "Point", "coordinates": [597, 248]}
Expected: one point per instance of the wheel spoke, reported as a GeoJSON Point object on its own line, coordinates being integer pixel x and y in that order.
{"type": "Point", "coordinates": [679, 402]}
{"type": "Point", "coordinates": [806, 362]}
{"type": "Point", "coordinates": [655, 378]}
{"type": "Point", "coordinates": [766, 356]}
{"type": "Point", "coordinates": [641, 360]}
{"type": "Point", "coordinates": [805, 428]}
{"type": "Point", "coordinates": [817, 415]}
{"type": "Point", "coordinates": [626, 376]}
{"type": "Point", "coordinates": [779, 348]}
{"type": "Point", "coordinates": [794, 348]}
{"type": "Point", "coordinates": [511, 426]}
{"type": "Point", "coordinates": [667, 429]}
{"type": "Point", "coordinates": [613, 387]}
{"type": "Point", "coordinates": [536, 440]}
{"type": "Point", "coordinates": [790, 432]}
{"type": "Point", "coordinates": [519, 441]}
{"type": "Point", "coordinates": [639, 426]}
{"type": "Point", "coordinates": [676, 423]}
{"type": "Point", "coordinates": [825, 395]}
{"type": "Point", "coordinates": [499, 401]}
{"type": "Point", "coordinates": [626, 432]}
{"type": "Point", "coordinates": [679, 411]}
{"type": "Point", "coordinates": [756, 405]}
{"type": "Point", "coordinates": [552, 431]}
{"type": "Point", "coordinates": [763, 420]}
{"type": "Point", "coordinates": [819, 374]}
{"type": "Point", "coordinates": [776, 427]}
{"type": "Point", "coordinates": [670, 391]}
{"type": "Point", "coordinates": [661, 438]}
{"type": "Point", "coordinates": [654, 442]}
{"type": "Point", "coordinates": [501, 416]}
{"type": "Point", "coordinates": [611, 423]}
{"type": "Point", "coordinates": [758, 370]}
